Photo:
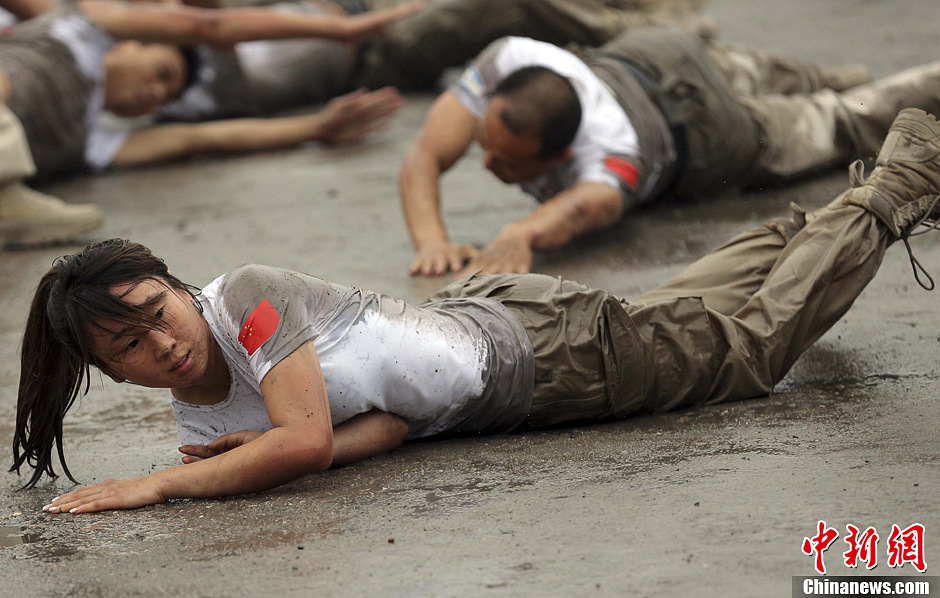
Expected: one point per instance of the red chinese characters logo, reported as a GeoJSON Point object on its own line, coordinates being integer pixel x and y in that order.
{"type": "Point", "coordinates": [862, 547]}
{"type": "Point", "coordinates": [819, 544]}
{"type": "Point", "coordinates": [902, 546]}
{"type": "Point", "coordinates": [907, 546]}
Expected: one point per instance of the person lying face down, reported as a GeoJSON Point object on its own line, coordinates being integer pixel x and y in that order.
{"type": "Point", "coordinates": [260, 77]}
{"type": "Point", "coordinates": [66, 66]}
{"type": "Point", "coordinates": [275, 374]}
{"type": "Point", "coordinates": [59, 71]}
{"type": "Point", "coordinates": [653, 114]}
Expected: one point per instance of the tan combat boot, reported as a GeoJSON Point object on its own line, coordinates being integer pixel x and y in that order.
{"type": "Point", "coordinates": [903, 191]}
{"type": "Point", "coordinates": [28, 217]}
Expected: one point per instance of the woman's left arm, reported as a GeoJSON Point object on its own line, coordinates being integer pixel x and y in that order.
{"type": "Point", "coordinates": [300, 442]}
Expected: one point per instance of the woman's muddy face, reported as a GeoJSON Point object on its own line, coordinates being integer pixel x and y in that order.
{"type": "Point", "coordinates": [175, 357]}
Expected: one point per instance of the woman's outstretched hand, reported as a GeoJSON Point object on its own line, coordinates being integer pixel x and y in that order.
{"type": "Point", "coordinates": [132, 493]}
{"type": "Point", "coordinates": [351, 117]}
{"type": "Point", "coordinates": [198, 452]}
{"type": "Point", "coordinates": [129, 493]}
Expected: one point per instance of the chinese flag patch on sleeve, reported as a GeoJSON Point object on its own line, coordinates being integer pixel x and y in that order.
{"type": "Point", "coordinates": [624, 169]}
{"type": "Point", "coordinates": [259, 327]}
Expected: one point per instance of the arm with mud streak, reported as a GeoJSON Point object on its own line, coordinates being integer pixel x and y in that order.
{"type": "Point", "coordinates": [300, 442]}
{"type": "Point", "coordinates": [586, 207]}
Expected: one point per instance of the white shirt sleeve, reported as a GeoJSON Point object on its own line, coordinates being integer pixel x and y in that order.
{"type": "Point", "coordinates": [102, 146]}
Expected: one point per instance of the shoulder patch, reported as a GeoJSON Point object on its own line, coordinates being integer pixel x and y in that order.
{"type": "Point", "coordinates": [472, 82]}
{"type": "Point", "coordinates": [260, 325]}
{"type": "Point", "coordinates": [624, 169]}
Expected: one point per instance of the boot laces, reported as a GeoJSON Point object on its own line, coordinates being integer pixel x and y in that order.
{"type": "Point", "coordinates": [929, 224]}
{"type": "Point", "coordinates": [857, 179]}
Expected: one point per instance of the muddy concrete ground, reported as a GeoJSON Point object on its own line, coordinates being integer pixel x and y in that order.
{"type": "Point", "coordinates": [710, 502]}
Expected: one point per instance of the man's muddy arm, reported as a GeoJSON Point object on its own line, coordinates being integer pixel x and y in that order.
{"type": "Point", "coordinates": [447, 133]}
{"type": "Point", "coordinates": [586, 207]}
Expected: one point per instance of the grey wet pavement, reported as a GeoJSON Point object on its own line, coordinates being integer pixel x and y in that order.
{"type": "Point", "coordinates": [709, 502]}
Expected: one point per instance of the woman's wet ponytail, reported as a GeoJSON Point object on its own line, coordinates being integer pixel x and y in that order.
{"type": "Point", "coordinates": [50, 378]}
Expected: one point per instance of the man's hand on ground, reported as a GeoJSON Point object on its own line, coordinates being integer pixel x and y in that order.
{"type": "Point", "coordinates": [435, 259]}
{"type": "Point", "coordinates": [507, 254]}
{"type": "Point", "coordinates": [352, 117]}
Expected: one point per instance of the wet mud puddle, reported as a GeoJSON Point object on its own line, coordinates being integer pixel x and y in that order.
{"type": "Point", "coordinates": [13, 535]}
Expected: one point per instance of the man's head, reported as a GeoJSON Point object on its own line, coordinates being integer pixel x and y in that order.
{"type": "Point", "coordinates": [530, 122]}
{"type": "Point", "coordinates": [141, 77]}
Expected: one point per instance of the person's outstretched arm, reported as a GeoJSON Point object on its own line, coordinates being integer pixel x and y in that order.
{"type": "Point", "coordinates": [26, 9]}
{"type": "Point", "coordinates": [586, 207]}
{"type": "Point", "coordinates": [175, 24]}
{"type": "Point", "coordinates": [447, 133]}
{"type": "Point", "coordinates": [344, 120]}
{"type": "Point", "coordinates": [300, 442]}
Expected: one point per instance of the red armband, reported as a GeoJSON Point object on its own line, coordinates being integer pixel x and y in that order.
{"type": "Point", "coordinates": [261, 324]}
{"type": "Point", "coordinates": [624, 169]}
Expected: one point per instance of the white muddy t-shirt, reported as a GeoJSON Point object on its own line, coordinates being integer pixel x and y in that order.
{"type": "Point", "coordinates": [605, 129]}
{"type": "Point", "coordinates": [445, 366]}
{"type": "Point", "coordinates": [89, 45]}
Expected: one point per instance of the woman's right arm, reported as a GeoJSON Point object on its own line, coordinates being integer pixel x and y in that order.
{"type": "Point", "coordinates": [174, 24]}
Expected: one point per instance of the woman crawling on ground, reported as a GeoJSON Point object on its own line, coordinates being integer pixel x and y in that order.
{"type": "Point", "coordinates": [275, 374]}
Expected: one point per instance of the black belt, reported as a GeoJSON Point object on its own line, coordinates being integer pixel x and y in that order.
{"type": "Point", "coordinates": [678, 131]}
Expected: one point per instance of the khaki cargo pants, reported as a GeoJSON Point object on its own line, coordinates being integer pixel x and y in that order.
{"type": "Point", "coordinates": [413, 53]}
{"type": "Point", "coordinates": [728, 328]}
{"type": "Point", "coordinates": [751, 117]}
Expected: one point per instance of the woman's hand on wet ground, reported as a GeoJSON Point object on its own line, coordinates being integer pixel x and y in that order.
{"type": "Point", "coordinates": [129, 493]}
{"type": "Point", "coordinates": [198, 452]}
